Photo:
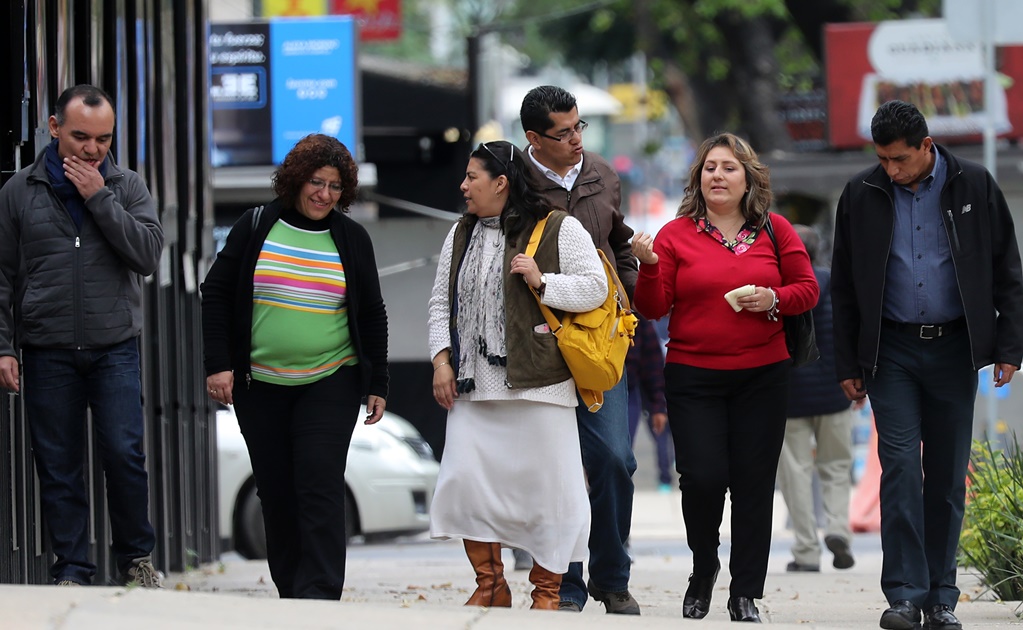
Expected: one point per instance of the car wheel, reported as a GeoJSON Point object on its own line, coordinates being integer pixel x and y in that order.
{"type": "Point", "coordinates": [250, 533]}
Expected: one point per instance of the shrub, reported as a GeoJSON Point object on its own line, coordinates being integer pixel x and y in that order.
{"type": "Point", "coordinates": [992, 538]}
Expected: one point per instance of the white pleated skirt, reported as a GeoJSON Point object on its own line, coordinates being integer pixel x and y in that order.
{"type": "Point", "coordinates": [512, 473]}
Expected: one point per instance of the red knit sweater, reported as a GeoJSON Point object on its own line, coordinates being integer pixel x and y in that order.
{"type": "Point", "coordinates": [691, 277]}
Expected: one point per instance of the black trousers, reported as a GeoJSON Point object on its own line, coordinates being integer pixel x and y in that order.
{"type": "Point", "coordinates": [298, 437]}
{"type": "Point", "coordinates": [923, 393]}
{"type": "Point", "coordinates": [728, 427]}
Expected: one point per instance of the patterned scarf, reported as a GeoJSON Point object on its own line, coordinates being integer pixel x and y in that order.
{"type": "Point", "coordinates": [481, 303]}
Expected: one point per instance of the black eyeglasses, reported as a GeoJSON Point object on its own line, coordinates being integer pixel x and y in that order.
{"type": "Point", "coordinates": [579, 128]}
{"type": "Point", "coordinates": [483, 145]}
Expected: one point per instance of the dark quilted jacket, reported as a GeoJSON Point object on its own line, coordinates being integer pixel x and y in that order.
{"type": "Point", "coordinates": [74, 288]}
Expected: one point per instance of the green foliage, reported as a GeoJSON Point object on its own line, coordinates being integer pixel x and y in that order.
{"type": "Point", "coordinates": [992, 537]}
{"type": "Point", "coordinates": [746, 8]}
{"type": "Point", "coordinates": [879, 10]}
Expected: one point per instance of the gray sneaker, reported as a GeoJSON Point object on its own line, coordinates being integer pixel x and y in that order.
{"type": "Point", "coordinates": [620, 603]}
{"type": "Point", "coordinates": [143, 574]}
{"type": "Point", "coordinates": [68, 583]}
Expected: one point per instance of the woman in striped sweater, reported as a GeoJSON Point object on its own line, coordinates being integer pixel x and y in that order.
{"type": "Point", "coordinates": [295, 335]}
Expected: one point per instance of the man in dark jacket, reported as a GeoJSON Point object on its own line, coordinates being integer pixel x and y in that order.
{"type": "Point", "coordinates": [927, 289]}
{"type": "Point", "coordinates": [587, 187]}
{"type": "Point", "coordinates": [818, 436]}
{"type": "Point", "coordinates": [77, 237]}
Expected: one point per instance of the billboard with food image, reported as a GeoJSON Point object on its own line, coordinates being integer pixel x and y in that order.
{"type": "Point", "coordinates": [917, 61]}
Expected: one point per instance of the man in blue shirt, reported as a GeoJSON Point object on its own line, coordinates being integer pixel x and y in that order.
{"type": "Point", "coordinates": [927, 289]}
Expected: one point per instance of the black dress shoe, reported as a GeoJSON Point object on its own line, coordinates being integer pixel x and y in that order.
{"type": "Point", "coordinates": [795, 567]}
{"type": "Point", "coordinates": [903, 615]}
{"type": "Point", "coordinates": [696, 603]}
{"type": "Point", "coordinates": [843, 555]}
{"type": "Point", "coordinates": [743, 609]}
{"type": "Point", "coordinates": [940, 617]}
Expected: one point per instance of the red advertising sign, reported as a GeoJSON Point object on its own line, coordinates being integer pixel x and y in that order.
{"type": "Point", "coordinates": [378, 19]}
{"type": "Point", "coordinates": [917, 61]}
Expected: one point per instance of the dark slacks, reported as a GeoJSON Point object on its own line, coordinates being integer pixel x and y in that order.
{"type": "Point", "coordinates": [298, 437]}
{"type": "Point", "coordinates": [59, 386]}
{"type": "Point", "coordinates": [923, 392]}
{"type": "Point", "coordinates": [728, 427]}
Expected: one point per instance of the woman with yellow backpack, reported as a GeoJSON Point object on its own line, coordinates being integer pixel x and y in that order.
{"type": "Point", "coordinates": [511, 472]}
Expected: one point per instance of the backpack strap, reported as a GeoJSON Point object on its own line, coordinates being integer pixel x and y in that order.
{"type": "Point", "coordinates": [534, 242]}
{"type": "Point", "coordinates": [256, 213]}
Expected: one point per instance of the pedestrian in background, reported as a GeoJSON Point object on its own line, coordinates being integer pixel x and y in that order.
{"type": "Point", "coordinates": [818, 436]}
{"type": "Point", "coordinates": [295, 334]}
{"type": "Point", "coordinates": [585, 185]}
{"type": "Point", "coordinates": [727, 370]}
{"type": "Point", "coordinates": [927, 289]}
{"type": "Point", "coordinates": [644, 365]}
{"type": "Point", "coordinates": [78, 235]}
{"type": "Point", "coordinates": [512, 471]}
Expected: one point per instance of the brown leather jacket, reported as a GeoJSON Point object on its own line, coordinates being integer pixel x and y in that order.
{"type": "Point", "coordinates": [595, 200]}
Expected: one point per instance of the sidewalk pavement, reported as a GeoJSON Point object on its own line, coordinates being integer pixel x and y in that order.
{"type": "Point", "coordinates": [423, 584]}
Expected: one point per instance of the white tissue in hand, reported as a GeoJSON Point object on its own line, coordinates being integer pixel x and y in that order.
{"type": "Point", "coordinates": [733, 295]}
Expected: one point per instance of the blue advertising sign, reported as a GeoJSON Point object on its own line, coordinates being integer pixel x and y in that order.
{"type": "Point", "coordinates": [312, 78]}
{"type": "Point", "coordinates": [272, 83]}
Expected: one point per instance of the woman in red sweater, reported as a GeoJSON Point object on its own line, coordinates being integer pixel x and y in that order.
{"type": "Point", "coordinates": [727, 368]}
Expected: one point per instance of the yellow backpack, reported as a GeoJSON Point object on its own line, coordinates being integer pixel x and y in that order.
{"type": "Point", "coordinates": [594, 343]}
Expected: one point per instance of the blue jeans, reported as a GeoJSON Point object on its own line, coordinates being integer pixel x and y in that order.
{"type": "Point", "coordinates": [59, 386]}
{"type": "Point", "coordinates": [923, 393]}
{"type": "Point", "coordinates": [609, 464]}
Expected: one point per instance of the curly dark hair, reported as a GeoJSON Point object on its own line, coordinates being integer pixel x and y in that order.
{"type": "Point", "coordinates": [312, 153]}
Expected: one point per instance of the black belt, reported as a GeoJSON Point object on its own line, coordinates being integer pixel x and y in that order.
{"type": "Point", "coordinates": [925, 331]}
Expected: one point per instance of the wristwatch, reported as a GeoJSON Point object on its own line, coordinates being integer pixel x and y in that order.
{"type": "Point", "coordinates": [543, 284]}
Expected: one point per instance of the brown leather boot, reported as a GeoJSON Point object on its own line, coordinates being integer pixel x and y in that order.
{"type": "Point", "coordinates": [546, 588]}
{"type": "Point", "coordinates": [491, 588]}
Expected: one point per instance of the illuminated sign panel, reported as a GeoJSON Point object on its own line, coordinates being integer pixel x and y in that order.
{"type": "Point", "coordinates": [272, 83]}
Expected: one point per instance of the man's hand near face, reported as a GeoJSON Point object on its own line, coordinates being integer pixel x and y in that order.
{"type": "Point", "coordinates": [84, 176]}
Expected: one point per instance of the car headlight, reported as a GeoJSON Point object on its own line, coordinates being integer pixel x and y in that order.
{"type": "Point", "coordinates": [420, 446]}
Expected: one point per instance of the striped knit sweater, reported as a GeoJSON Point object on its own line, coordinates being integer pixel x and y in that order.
{"type": "Point", "coordinates": [299, 314]}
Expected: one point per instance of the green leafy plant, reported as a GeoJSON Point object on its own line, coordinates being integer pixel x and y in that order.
{"type": "Point", "coordinates": [992, 537]}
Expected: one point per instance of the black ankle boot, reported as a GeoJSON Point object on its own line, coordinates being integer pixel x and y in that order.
{"type": "Point", "coordinates": [743, 609]}
{"type": "Point", "coordinates": [696, 603]}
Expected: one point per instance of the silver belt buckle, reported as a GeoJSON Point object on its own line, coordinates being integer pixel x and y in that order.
{"type": "Point", "coordinates": [934, 330]}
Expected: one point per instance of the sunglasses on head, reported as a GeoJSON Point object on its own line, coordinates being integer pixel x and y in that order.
{"type": "Point", "coordinates": [483, 145]}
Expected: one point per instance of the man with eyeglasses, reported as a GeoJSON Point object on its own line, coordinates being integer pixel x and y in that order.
{"type": "Point", "coordinates": [585, 185]}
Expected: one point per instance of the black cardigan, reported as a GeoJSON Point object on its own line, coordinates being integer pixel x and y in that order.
{"type": "Point", "coordinates": [227, 298]}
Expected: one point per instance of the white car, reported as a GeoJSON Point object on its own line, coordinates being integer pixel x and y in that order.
{"type": "Point", "coordinates": [390, 479]}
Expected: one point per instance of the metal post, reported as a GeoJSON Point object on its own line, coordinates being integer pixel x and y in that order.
{"type": "Point", "coordinates": [990, 86]}
{"type": "Point", "coordinates": [472, 86]}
